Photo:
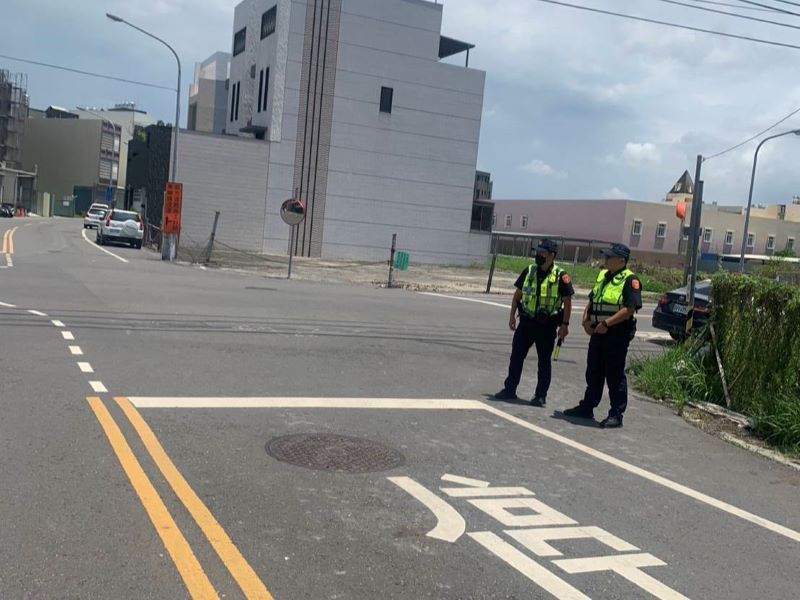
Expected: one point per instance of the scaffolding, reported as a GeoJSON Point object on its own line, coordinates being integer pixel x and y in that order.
{"type": "Point", "coordinates": [13, 114]}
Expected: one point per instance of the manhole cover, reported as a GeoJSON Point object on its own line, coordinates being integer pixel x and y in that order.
{"type": "Point", "coordinates": [331, 452]}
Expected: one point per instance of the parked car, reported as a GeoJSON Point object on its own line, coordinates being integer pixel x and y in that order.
{"type": "Point", "coordinates": [93, 218]}
{"type": "Point", "coordinates": [673, 309]}
{"type": "Point", "coordinates": [6, 210]}
{"type": "Point", "coordinates": [121, 226]}
{"type": "Point", "coordinates": [100, 205]}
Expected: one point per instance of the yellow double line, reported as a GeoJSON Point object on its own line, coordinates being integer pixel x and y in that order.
{"type": "Point", "coordinates": [195, 579]}
{"type": "Point", "coordinates": [8, 241]}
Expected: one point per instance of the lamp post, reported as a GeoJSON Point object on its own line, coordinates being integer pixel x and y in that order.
{"type": "Point", "coordinates": [169, 244]}
{"type": "Point", "coordinates": [750, 195]}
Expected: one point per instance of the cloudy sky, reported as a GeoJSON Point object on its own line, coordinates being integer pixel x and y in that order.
{"type": "Point", "coordinates": [577, 105]}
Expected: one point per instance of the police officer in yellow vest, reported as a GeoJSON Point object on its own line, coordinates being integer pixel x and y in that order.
{"type": "Point", "coordinates": [543, 301]}
{"type": "Point", "coordinates": [609, 320]}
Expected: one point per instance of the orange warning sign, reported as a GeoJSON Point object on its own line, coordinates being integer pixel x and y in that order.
{"type": "Point", "coordinates": [173, 203]}
{"type": "Point", "coordinates": [635, 284]}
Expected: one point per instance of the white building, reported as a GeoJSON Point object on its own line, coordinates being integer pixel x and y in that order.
{"type": "Point", "coordinates": [364, 122]}
{"type": "Point", "coordinates": [208, 94]}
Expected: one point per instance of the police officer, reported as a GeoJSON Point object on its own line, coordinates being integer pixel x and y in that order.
{"type": "Point", "coordinates": [609, 320]}
{"type": "Point", "coordinates": [543, 301]}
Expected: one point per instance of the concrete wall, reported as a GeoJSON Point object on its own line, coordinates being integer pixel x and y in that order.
{"type": "Point", "coordinates": [67, 152]}
{"type": "Point", "coordinates": [227, 174]}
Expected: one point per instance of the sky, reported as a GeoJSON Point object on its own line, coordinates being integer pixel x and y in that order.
{"type": "Point", "coordinates": [577, 105]}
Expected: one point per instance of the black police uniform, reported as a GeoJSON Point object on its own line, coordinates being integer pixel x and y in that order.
{"type": "Point", "coordinates": [540, 330]}
{"type": "Point", "coordinates": [607, 354]}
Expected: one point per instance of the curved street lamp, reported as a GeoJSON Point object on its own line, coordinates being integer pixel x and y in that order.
{"type": "Point", "coordinates": [750, 196]}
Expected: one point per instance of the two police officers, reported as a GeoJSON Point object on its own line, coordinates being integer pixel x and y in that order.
{"type": "Point", "coordinates": [543, 303]}
{"type": "Point", "coordinates": [609, 319]}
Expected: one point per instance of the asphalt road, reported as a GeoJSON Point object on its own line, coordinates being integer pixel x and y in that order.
{"type": "Point", "coordinates": [139, 401]}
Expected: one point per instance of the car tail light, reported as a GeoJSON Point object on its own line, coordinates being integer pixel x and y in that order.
{"type": "Point", "coordinates": [663, 300]}
{"type": "Point", "coordinates": [701, 309]}
{"type": "Point", "coordinates": [108, 221]}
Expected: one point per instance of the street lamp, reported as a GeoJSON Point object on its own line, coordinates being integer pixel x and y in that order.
{"type": "Point", "coordinates": [750, 196]}
{"type": "Point", "coordinates": [168, 246]}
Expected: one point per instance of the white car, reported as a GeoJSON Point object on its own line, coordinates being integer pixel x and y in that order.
{"type": "Point", "coordinates": [121, 226]}
{"type": "Point", "coordinates": [93, 217]}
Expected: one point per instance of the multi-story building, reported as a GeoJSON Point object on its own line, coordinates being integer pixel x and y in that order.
{"type": "Point", "coordinates": [16, 185]}
{"type": "Point", "coordinates": [208, 95]}
{"type": "Point", "coordinates": [483, 185]}
{"type": "Point", "coordinates": [653, 230]}
{"type": "Point", "coordinates": [364, 121]}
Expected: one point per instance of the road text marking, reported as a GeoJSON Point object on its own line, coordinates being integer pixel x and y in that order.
{"type": "Point", "coordinates": [101, 248]}
{"type": "Point", "coordinates": [186, 562]}
{"type": "Point", "coordinates": [450, 525]}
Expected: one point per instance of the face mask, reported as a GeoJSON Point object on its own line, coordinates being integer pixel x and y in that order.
{"type": "Point", "coordinates": [540, 260]}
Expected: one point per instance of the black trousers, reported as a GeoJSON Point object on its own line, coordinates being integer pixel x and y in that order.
{"type": "Point", "coordinates": [605, 364]}
{"type": "Point", "coordinates": [528, 333]}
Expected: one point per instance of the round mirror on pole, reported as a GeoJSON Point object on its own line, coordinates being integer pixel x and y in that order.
{"type": "Point", "coordinates": [293, 211]}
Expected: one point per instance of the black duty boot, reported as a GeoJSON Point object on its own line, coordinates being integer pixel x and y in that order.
{"type": "Point", "coordinates": [504, 394]}
{"type": "Point", "coordinates": [611, 422]}
{"type": "Point", "coordinates": [540, 401]}
{"type": "Point", "coordinates": [579, 412]}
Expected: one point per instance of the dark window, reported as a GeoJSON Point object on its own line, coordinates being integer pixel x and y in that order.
{"type": "Point", "coordinates": [238, 89]}
{"type": "Point", "coordinates": [386, 99]}
{"type": "Point", "coordinates": [260, 89]}
{"type": "Point", "coordinates": [192, 120]}
{"type": "Point", "coordinates": [233, 101]}
{"type": "Point", "coordinates": [268, 20]}
{"type": "Point", "coordinates": [239, 39]}
{"type": "Point", "coordinates": [266, 88]}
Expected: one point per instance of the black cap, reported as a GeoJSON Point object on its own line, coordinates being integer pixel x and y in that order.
{"type": "Point", "coordinates": [617, 250]}
{"type": "Point", "coordinates": [548, 246]}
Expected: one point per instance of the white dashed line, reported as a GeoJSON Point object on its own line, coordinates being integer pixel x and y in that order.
{"type": "Point", "coordinates": [88, 241]}
{"type": "Point", "coordinates": [98, 387]}
{"type": "Point", "coordinates": [76, 350]}
{"type": "Point", "coordinates": [85, 367]}
{"type": "Point", "coordinates": [68, 335]}
{"type": "Point", "coordinates": [506, 306]}
{"type": "Point", "coordinates": [38, 313]}
{"type": "Point", "coordinates": [6, 305]}
{"type": "Point", "coordinates": [57, 323]}
{"type": "Point", "coordinates": [9, 260]}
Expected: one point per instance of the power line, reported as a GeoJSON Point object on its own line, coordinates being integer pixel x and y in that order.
{"type": "Point", "coordinates": [787, 2]}
{"type": "Point", "coordinates": [729, 5]}
{"type": "Point", "coordinates": [675, 25]}
{"type": "Point", "coordinates": [89, 73]}
{"type": "Point", "coordinates": [730, 14]}
{"type": "Point", "coordinates": [755, 137]}
{"type": "Point", "coordinates": [775, 8]}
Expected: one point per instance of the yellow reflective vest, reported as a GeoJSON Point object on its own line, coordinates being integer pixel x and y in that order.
{"type": "Point", "coordinates": [607, 294]}
{"type": "Point", "coordinates": [544, 298]}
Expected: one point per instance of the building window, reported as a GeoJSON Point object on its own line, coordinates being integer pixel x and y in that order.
{"type": "Point", "coordinates": [729, 238]}
{"type": "Point", "coordinates": [268, 20]}
{"type": "Point", "coordinates": [708, 235]}
{"type": "Point", "coordinates": [523, 221]}
{"type": "Point", "coordinates": [114, 171]}
{"type": "Point", "coordinates": [494, 220]}
{"type": "Point", "coordinates": [661, 231]}
{"type": "Point", "coordinates": [233, 101]}
{"type": "Point", "coordinates": [751, 240]}
{"type": "Point", "coordinates": [771, 242]}
{"type": "Point", "coordinates": [239, 39]}
{"type": "Point", "coordinates": [260, 89]}
{"type": "Point", "coordinates": [238, 89]}
{"type": "Point", "coordinates": [387, 94]}
{"type": "Point", "coordinates": [508, 221]}
{"type": "Point", "coordinates": [637, 227]}
{"type": "Point", "coordinates": [266, 89]}
{"type": "Point", "coordinates": [790, 243]}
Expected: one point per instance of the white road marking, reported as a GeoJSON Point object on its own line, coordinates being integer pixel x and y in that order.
{"type": "Point", "coordinates": [98, 387]}
{"type": "Point", "coordinates": [506, 306]}
{"type": "Point", "coordinates": [527, 566]}
{"type": "Point", "coordinates": [57, 323]}
{"type": "Point", "coordinates": [536, 539]}
{"type": "Point", "coordinates": [417, 404]}
{"type": "Point", "coordinates": [76, 350]}
{"type": "Point", "coordinates": [38, 313]}
{"type": "Point", "coordinates": [9, 261]}
{"type": "Point", "coordinates": [101, 248]}
{"type": "Point", "coordinates": [468, 481]}
{"type": "Point", "coordinates": [370, 403]}
{"type": "Point", "coordinates": [67, 335]}
{"type": "Point", "coordinates": [85, 367]}
{"type": "Point", "coordinates": [487, 492]}
{"type": "Point", "coordinates": [6, 305]}
{"type": "Point", "coordinates": [450, 524]}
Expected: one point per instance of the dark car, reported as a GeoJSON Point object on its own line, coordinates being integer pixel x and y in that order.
{"type": "Point", "coordinates": [673, 309]}
{"type": "Point", "coordinates": [6, 210]}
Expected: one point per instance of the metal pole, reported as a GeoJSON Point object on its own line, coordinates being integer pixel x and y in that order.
{"type": "Point", "coordinates": [694, 221]}
{"type": "Point", "coordinates": [213, 235]}
{"type": "Point", "coordinates": [577, 252]}
{"type": "Point", "coordinates": [291, 251]}
{"type": "Point", "coordinates": [391, 260]}
{"type": "Point", "coordinates": [698, 186]}
{"type": "Point", "coordinates": [494, 262]}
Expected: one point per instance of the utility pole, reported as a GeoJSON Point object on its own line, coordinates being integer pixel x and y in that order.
{"type": "Point", "coordinates": [694, 240]}
{"type": "Point", "coordinates": [694, 220]}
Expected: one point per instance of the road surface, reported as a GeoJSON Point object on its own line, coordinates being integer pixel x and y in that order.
{"type": "Point", "coordinates": [159, 423]}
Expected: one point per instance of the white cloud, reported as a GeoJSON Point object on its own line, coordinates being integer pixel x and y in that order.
{"type": "Point", "coordinates": [638, 154]}
{"type": "Point", "coordinates": [616, 194]}
{"type": "Point", "coordinates": [539, 167]}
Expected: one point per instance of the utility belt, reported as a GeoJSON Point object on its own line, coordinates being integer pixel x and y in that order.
{"type": "Point", "coordinates": [542, 317]}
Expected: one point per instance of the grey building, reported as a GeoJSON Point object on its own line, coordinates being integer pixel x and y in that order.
{"type": "Point", "coordinates": [364, 122]}
{"type": "Point", "coordinates": [16, 184]}
{"type": "Point", "coordinates": [483, 185]}
{"type": "Point", "coordinates": [208, 94]}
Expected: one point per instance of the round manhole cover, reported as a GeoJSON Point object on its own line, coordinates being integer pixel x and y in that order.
{"type": "Point", "coordinates": [331, 452]}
